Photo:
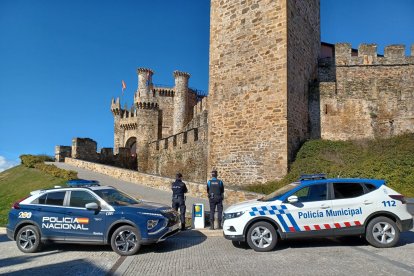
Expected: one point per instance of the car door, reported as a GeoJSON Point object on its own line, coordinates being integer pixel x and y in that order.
{"type": "Point", "coordinates": [309, 212]}
{"type": "Point", "coordinates": [49, 214]}
{"type": "Point", "coordinates": [85, 225]}
{"type": "Point", "coordinates": [349, 205]}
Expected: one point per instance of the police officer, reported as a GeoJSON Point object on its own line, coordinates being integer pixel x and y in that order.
{"type": "Point", "coordinates": [178, 200]}
{"type": "Point", "coordinates": [215, 192]}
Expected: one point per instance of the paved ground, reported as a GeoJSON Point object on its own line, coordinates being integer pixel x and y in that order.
{"type": "Point", "coordinates": [195, 254]}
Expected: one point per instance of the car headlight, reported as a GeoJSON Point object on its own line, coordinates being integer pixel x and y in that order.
{"type": "Point", "coordinates": [151, 223]}
{"type": "Point", "coordinates": [233, 215]}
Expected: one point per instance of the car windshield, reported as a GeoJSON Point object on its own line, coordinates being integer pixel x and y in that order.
{"type": "Point", "coordinates": [115, 197]}
{"type": "Point", "coordinates": [281, 191]}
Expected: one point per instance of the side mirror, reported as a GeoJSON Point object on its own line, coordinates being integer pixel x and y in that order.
{"type": "Point", "coordinates": [292, 199]}
{"type": "Point", "coordinates": [92, 206]}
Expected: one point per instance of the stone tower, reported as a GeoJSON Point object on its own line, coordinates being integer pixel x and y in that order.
{"type": "Point", "coordinates": [180, 100]}
{"type": "Point", "coordinates": [136, 127]}
{"type": "Point", "coordinates": [263, 57]}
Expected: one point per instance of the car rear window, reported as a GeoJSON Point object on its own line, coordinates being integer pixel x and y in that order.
{"type": "Point", "coordinates": [347, 190]}
{"type": "Point", "coordinates": [370, 187]}
{"type": "Point", "coordinates": [54, 198]}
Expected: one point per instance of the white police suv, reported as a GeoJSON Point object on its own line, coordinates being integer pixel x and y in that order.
{"type": "Point", "coordinates": [89, 214]}
{"type": "Point", "coordinates": [320, 207]}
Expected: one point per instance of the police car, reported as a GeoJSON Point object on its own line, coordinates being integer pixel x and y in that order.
{"type": "Point", "coordinates": [316, 206]}
{"type": "Point", "coordinates": [89, 215]}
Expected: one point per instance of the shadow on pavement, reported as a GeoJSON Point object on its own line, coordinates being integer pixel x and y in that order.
{"type": "Point", "coordinates": [74, 267]}
{"type": "Point", "coordinates": [47, 247]}
{"type": "Point", "coordinates": [405, 238]}
{"type": "Point", "coordinates": [22, 259]}
{"type": "Point", "coordinates": [175, 243]}
{"type": "Point", "coordinates": [4, 238]}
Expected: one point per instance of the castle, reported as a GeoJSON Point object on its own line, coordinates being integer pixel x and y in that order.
{"type": "Point", "coordinates": [272, 86]}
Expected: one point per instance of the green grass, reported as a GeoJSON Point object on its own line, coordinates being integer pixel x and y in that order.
{"type": "Point", "coordinates": [390, 159]}
{"type": "Point", "coordinates": [18, 182]}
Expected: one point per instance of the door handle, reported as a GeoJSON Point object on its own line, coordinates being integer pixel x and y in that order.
{"type": "Point", "coordinates": [324, 206]}
{"type": "Point", "coordinates": [367, 202]}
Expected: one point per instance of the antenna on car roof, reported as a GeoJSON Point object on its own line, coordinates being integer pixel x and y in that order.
{"type": "Point", "coordinates": [312, 176]}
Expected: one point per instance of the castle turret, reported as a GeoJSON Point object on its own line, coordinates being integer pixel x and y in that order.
{"type": "Point", "coordinates": [144, 93]}
{"type": "Point", "coordinates": [119, 133]}
{"type": "Point", "coordinates": [180, 100]}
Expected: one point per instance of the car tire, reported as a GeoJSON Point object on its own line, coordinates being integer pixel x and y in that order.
{"type": "Point", "coordinates": [382, 232]}
{"type": "Point", "coordinates": [262, 236]}
{"type": "Point", "coordinates": [125, 241]}
{"type": "Point", "coordinates": [28, 239]}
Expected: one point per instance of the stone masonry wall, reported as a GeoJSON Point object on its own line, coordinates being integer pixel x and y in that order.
{"type": "Point", "coordinates": [61, 152]}
{"type": "Point", "coordinates": [247, 90]}
{"type": "Point", "coordinates": [303, 49]}
{"type": "Point", "coordinates": [162, 183]}
{"type": "Point", "coordinates": [185, 152]}
{"type": "Point", "coordinates": [367, 96]}
{"type": "Point", "coordinates": [85, 149]}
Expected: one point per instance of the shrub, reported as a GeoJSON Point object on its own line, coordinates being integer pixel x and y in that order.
{"type": "Point", "coordinates": [29, 160]}
{"type": "Point", "coordinates": [37, 161]}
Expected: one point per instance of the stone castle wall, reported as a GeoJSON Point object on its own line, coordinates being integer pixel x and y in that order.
{"type": "Point", "coordinates": [257, 108]}
{"type": "Point", "coordinates": [185, 152]}
{"type": "Point", "coordinates": [364, 96]}
{"type": "Point", "coordinates": [195, 189]}
{"type": "Point", "coordinates": [303, 49]}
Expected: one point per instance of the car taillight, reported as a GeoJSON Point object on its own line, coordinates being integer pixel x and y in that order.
{"type": "Point", "coordinates": [16, 204]}
{"type": "Point", "coordinates": [398, 197]}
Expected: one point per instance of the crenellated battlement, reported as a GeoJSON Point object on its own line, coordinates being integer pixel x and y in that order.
{"type": "Point", "coordinates": [163, 91]}
{"type": "Point", "coordinates": [368, 55]}
{"type": "Point", "coordinates": [147, 105]}
{"type": "Point", "coordinates": [116, 106]}
{"type": "Point", "coordinates": [200, 107]}
{"type": "Point", "coordinates": [145, 70]}
{"type": "Point", "coordinates": [179, 140]}
{"type": "Point", "coordinates": [181, 74]}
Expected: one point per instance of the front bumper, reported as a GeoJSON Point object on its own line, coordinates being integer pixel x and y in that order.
{"type": "Point", "coordinates": [163, 235]}
{"type": "Point", "coordinates": [234, 237]}
{"type": "Point", "coordinates": [407, 224]}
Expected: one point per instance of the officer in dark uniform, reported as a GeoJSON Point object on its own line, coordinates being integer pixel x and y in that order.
{"type": "Point", "coordinates": [215, 191]}
{"type": "Point", "coordinates": [178, 200]}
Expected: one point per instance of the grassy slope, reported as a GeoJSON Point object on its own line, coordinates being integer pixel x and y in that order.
{"type": "Point", "coordinates": [389, 159]}
{"type": "Point", "coordinates": [17, 183]}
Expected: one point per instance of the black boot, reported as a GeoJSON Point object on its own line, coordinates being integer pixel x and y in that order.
{"type": "Point", "coordinates": [212, 225]}
{"type": "Point", "coordinates": [219, 225]}
{"type": "Point", "coordinates": [183, 227]}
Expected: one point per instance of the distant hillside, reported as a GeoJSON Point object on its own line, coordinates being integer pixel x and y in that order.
{"type": "Point", "coordinates": [18, 182]}
{"type": "Point", "coordinates": [390, 159]}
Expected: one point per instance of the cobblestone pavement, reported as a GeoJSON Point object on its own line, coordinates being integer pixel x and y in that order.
{"type": "Point", "coordinates": [189, 254]}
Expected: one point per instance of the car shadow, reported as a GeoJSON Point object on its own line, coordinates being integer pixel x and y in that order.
{"type": "Point", "coordinates": [73, 267]}
{"type": "Point", "coordinates": [22, 259]}
{"type": "Point", "coordinates": [405, 238]}
{"type": "Point", "coordinates": [181, 241]}
{"type": "Point", "coordinates": [4, 238]}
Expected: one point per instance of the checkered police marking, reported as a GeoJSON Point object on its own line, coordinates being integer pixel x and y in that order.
{"type": "Point", "coordinates": [271, 210]}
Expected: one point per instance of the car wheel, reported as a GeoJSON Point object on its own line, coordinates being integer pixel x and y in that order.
{"type": "Point", "coordinates": [28, 239]}
{"type": "Point", "coordinates": [262, 236]}
{"type": "Point", "coordinates": [126, 240]}
{"type": "Point", "coordinates": [382, 232]}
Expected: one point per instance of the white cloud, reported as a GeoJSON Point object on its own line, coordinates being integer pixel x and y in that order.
{"type": "Point", "coordinates": [6, 164]}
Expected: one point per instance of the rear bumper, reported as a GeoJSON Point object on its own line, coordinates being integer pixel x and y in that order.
{"type": "Point", "coordinates": [234, 237]}
{"type": "Point", "coordinates": [10, 234]}
{"type": "Point", "coordinates": [407, 224]}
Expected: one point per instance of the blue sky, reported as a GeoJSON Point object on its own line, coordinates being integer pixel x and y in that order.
{"type": "Point", "coordinates": [61, 62]}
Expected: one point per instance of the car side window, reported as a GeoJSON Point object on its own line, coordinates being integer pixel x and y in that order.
{"type": "Point", "coordinates": [80, 198]}
{"type": "Point", "coordinates": [347, 190]}
{"type": "Point", "coordinates": [312, 193]}
{"type": "Point", "coordinates": [370, 187]}
{"type": "Point", "coordinates": [53, 198]}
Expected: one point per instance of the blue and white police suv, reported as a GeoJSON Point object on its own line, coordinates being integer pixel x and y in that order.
{"type": "Point", "coordinates": [89, 215]}
{"type": "Point", "coordinates": [320, 207]}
